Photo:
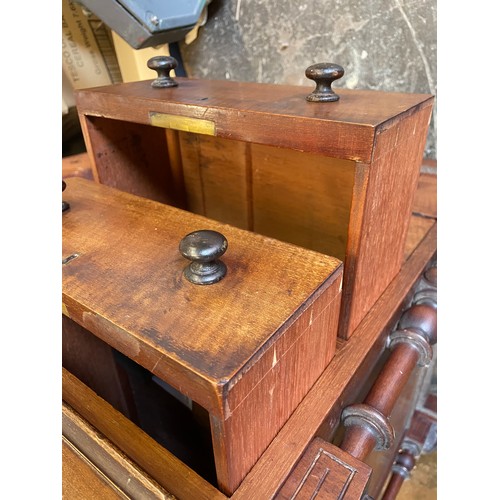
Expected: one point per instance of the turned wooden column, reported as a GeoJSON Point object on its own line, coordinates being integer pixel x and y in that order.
{"type": "Point", "coordinates": [367, 424]}
{"type": "Point", "coordinates": [401, 469]}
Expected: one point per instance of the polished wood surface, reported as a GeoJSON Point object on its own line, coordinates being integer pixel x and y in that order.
{"type": "Point", "coordinates": [318, 412]}
{"type": "Point", "coordinates": [247, 348]}
{"type": "Point", "coordinates": [345, 129]}
{"type": "Point", "coordinates": [129, 260]}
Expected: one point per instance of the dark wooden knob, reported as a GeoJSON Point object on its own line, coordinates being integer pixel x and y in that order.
{"type": "Point", "coordinates": [65, 205]}
{"type": "Point", "coordinates": [323, 74]}
{"type": "Point", "coordinates": [204, 248]}
{"type": "Point", "coordinates": [163, 65]}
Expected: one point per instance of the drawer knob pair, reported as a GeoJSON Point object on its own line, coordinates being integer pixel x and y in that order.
{"type": "Point", "coordinates": [323, 74]}
{"type": "Point", "coordinates": [204, 249]}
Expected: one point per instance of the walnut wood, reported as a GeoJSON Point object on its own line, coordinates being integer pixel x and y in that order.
{"type": "Point", "coordinates": [382, 133]}
{"type": "Point", "coordinates": [318, 413]}
{"type": "Point", "coordinates": [171, 473]}
{"type": "Point", "coordinates": [239, 348]}
{"type": "Point", "coordinates": [110, 462]}
{"type": "Point", "coordinates": [326, 471]}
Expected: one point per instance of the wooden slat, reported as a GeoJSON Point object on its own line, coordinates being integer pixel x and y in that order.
{"type": "Point", "coordinates": [216, 174]}
{"type": "Point", "coordinates": [302, 198]}
{"type": "Point", "coordinates": [82, 481]}
{"type": "Point", "coordinates": [104, 457]}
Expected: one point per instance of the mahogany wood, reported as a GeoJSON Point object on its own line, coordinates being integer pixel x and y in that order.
{"type": "Point", "coordinates": [318, 413]}
{"type": "Point", "coordinates": [343, 130]}
{"type": "Point", "coordinates": [382, 461]}
{"type": "Point", "coordinates": [425, 202]}
{"type": "Point", "coordinates": [133, 155]}
{"type": "Point", "coordinates": [247, 348]}
{"type": "Point", "coordinates": [406, 461]}
{"type": "Point", "coordinates": [410, 344]}
{"type": "Point", "coordinates": [359, 440]}
{"type": "Point", "coordinates": [422, 423]}
{"type": "Point", "coordinates": [324, 472]}
{"type": "Point", "coordinates": [234, 176]}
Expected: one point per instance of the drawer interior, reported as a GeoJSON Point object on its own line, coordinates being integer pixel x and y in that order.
{"type": "Point", "coordinates": [293, 196]}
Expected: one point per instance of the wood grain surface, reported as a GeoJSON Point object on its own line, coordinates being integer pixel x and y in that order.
{"type": "Point", "coordinates": [127, 286]}
{"type": "Point", "coordinates": [247, 348]}
{"type": "Point", "coordinates": [274, 176]}
{"type": "Point", "coordinates": [319, 412]}
{"type": "Point", "coordinates": [247, 112]}
{"type": "Point", "coordinates": [105, 458]}
{"type": "Point", "coordinates": [82, 480]}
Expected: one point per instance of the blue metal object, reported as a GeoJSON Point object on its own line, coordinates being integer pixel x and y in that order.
{"type": "Point", "coordinates": [146, 23]}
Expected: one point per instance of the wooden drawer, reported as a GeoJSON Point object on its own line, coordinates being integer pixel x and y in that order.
{"type": "Point", "coordinates": [336, 177]}
{"type": "Point", "coordinates": [247, 348]}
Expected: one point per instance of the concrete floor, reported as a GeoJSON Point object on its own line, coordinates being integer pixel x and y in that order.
{"type": "Point", "coordinates": [423, 482]}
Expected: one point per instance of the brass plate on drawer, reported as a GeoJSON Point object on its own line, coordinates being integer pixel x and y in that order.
{"type": "Point", "coordinates": [186, 124]}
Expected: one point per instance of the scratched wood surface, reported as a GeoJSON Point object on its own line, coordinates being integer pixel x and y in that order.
{"type": "Point", "coordinates": [247, 348]}
{"type": "Point", "coordinates": [319, 412]}
{"type": "Point", "coordinates": [381, 216]}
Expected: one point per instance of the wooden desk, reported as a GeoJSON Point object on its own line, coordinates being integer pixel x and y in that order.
{"type": "Point", "coordinates": [338, 180]}
{"type": "Point", "coordinates": [318, 415]}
